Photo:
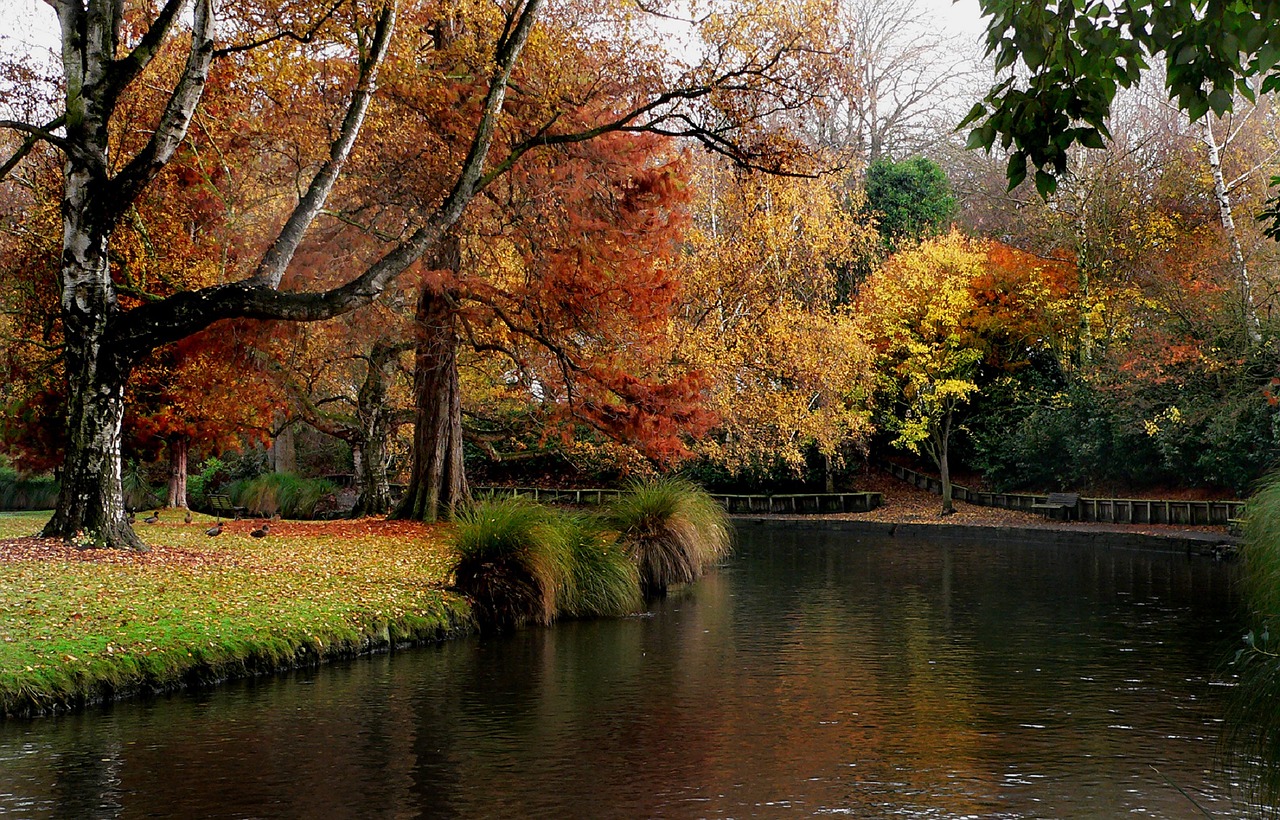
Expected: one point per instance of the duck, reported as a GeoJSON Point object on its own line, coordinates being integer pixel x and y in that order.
{"type": "Point", "coordinates": [154, 518]}
{"type": "Point", "coordinates": [215, 530]}
{"type": "Point", "coordinates": [186, 519]}
{"type": "Point", "coordinates": [131, 518]}
{"type": "Point", "coordinates": [261, 532]}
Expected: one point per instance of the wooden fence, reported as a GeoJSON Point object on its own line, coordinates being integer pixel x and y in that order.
{"type": "Point", "coordinates": [1105, 510]}
{"type": "Point", "coordinates": [799, 503]}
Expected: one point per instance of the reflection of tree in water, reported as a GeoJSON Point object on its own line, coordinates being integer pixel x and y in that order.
{"type": "Point", "coordinates": [813, 672]}
{"type": "Point", "coordinates": [86, 770]}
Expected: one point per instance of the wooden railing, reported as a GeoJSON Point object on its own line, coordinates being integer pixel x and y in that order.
{"type": "Point", "coordinates": [1105, 510]}
{"type": "Point", "coordinates": [757, 503]}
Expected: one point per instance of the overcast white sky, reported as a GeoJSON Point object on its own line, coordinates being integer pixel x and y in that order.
{"type": "Point", "coordinates": [32, 23]}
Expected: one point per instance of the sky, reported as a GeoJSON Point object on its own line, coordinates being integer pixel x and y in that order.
{"type": "Point", "coordinates": [32, 23]}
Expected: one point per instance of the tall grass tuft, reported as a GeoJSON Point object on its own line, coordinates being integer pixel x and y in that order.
{"type": "Point", "coordinates": [17, 493]}
{"type": "Point", "coordinates": [603, 580]}
{"type": "Point", "coordinates": [672, 530]}
{"type": "Point", "coordinates": [1253, 725]}
{"type": "Point", "coordinates": [514, 562]}
{"type": "Point", "coordinates": [283, 493]}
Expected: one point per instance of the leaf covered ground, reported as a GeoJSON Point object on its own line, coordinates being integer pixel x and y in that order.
{"type": "Point", "coordinates": [83, 623]}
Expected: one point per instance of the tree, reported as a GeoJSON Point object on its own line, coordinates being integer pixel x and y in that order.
{"type": "Point", "coordinates": [106, 54]}
{"type": "Point", "coordinates": [787, 368]}
{"type": "Point", "coordinates": [916, 309]}
{"type": "Point", "coordinates": [910, 199]}
{"type": "Point", "coordinates": [1076, 54]}
{"type": "Point", "coordinates": [889, 97]}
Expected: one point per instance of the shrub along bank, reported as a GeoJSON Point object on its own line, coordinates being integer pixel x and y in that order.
{"type": "Point", "coordinates": [83, 625]}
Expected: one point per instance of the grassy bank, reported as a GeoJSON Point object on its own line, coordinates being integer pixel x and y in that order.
{"type": "Point", "coordinates": [78, 626]}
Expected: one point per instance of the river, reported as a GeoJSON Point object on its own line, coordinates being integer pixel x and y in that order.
{"type": "Point", "coordinates": [814, 674]}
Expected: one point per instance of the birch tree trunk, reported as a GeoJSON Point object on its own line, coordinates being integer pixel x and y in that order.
{"type": "Point", "coordinates": [376, 423]}
{"type": "Point", "coordinates": [1222, 195]}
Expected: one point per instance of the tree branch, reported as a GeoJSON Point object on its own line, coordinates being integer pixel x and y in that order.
{"type": "Point", "coordinates": [172, 128]}
{"type": "Point", "coordinates": [149, 326]}
{"type": "Point", "coordinates": [125, 70]}
{"type": "Point", "coordinates": [35, 133]}
{"type": "Point", "coordinates": [277, 258]}
{"type": "Point", "coordinates": [30, 143]}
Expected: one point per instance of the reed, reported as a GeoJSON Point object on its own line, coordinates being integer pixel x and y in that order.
{"type": "Point", "coordinates": [1253, 724]}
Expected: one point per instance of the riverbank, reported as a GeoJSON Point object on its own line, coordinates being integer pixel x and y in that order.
{"type": "Point", "coordinates": [82, 626]}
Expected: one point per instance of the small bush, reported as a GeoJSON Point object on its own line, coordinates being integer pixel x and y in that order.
{"type": "Point", "coordinates": [671, 529]}
{"type": "Point", "coordinates": [283, 493]}
{"type": "Point", "coordinates": [514, 562]}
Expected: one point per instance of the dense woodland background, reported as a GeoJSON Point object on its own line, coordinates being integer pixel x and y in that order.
{"type": "Point", "coordinates": [754, 250]}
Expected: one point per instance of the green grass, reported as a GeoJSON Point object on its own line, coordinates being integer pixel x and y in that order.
{"type": "Point", "coordinates": [672, 530]}
{"type": "Point", "coordinates": [73, 630]}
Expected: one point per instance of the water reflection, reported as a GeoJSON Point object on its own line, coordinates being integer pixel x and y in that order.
{"type": "Point", "coordinates": [812, 675]}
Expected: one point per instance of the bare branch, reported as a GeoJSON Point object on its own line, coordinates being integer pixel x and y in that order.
{"type": "Point", "coordinates": [36, 133]}
{"type": "Point", "coordinates": [277, 258]}
{"type": "Point", "coordinates": [28, 144]}
{"type": "Point", "coordinates": [285, 34]}
{"type": "Point", "coordinates": [172, 128]}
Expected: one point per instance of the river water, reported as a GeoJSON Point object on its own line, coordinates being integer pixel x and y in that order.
{"type": "Point", "coordinates": [813, 674]}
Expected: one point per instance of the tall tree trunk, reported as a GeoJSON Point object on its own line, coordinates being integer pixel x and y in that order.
{"type": "Point", "coordinates": [90, 502]}
{"type": "Point", "coordinates": [438, 482]}
{"type": "Point", "coordinates": [1252, 327]}
{"type": "Point", "coordinates": [373, 491]}
{"type": "Point", "coordinates": [284, 450]}
{"type": "Point", "coordinates": [178, 449]}
{"type": "Point", "coordinates": [376, 423]}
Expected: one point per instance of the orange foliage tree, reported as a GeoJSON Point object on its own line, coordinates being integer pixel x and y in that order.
{"type": "Point", "coordinates": [461, 59]}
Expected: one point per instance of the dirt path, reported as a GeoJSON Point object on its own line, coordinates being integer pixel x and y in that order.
{"type": "Point", "coordinates": [905, 503]}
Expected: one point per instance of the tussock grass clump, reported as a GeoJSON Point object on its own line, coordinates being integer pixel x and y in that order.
{"type": "Point", "coordinates": [283, 493]}
{"type": "Point", "coordinates": [514, 562]}
{"type": "Point", "coordinates": [604, 582]}
{"type": "Point", "coordinates": [671, 529]}
{"type": "Point", "coordinates": [1253, 735]}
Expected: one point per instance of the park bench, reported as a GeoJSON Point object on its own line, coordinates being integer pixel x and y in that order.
{"type": "Point", "coordinates": [220, 505]}
{"type": "Point", "coordinates": [1064, 502]}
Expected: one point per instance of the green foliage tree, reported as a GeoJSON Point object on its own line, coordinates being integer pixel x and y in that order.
{"type": "Point", "coordinates": [911, 199]}
{"type": "Point", "coordinates": [1060, 63]}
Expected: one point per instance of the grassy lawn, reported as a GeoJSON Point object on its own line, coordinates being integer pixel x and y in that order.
{"type": "Point", "coordinates": [84, 624]}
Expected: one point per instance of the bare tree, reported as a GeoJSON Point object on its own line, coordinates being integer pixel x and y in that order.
{"type": "Point", "coordinates": [903, 85]}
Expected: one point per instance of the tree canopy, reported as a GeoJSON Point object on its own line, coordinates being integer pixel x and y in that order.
{"type": "Point", "coordinates": [1060, 63]}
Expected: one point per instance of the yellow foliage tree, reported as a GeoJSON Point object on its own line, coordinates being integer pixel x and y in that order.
{"type": "Point", "coordinates": [787, 368]}
{"type": "Point", "coordinates": [916, 311]}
